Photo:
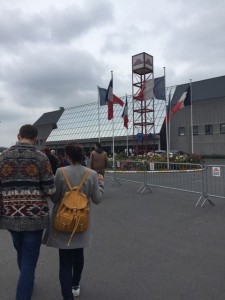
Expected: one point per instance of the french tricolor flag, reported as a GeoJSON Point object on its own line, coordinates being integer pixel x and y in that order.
{"type": "Point", "coordinates": [184, 100]}
{"type": "Point", "coordinates": [111, 99]}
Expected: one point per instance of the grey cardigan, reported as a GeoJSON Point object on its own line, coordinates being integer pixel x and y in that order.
{"type": "Point", "coordinates": [92, 188]}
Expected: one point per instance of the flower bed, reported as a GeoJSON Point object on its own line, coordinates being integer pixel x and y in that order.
{"type": "Point", "coordinates": [142, 162]}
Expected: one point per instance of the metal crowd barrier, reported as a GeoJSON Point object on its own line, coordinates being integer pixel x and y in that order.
{"type": "Point", "coordinates": [194, 178]}
{"type": "Point", "coordinates": [214, 183]}
{"type": "Point", "coordinates": [131, 171]}
{"type": "Point", "coordinates": [180, 176]}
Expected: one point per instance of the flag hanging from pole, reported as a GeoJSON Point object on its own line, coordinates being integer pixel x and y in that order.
{"type": "Point", "coordinates": [125, 115]}
{"type": "Point", "coordinates": [168, 110]}
{"type": "Point", "coordinates": [106, 96]}
{"type": "Point", "coordinates": [146, 91]}
{"type": "Point", "coordinates": [117, 100]}
{"type": "Point", "coordinates": [159, 88]}
{"type": "Point", "coordinates": [102, 95]}
{"type": "Point", "coordinates": [109, 100]}
{"type": "Point", "coordinates": [152, 88]}
{"type": "Point", "coordinates": [184, 100]}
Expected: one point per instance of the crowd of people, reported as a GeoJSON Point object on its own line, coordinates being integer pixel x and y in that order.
{"type": "Point", "coordinates": [29, 179]}
{"type": "Point", "coordinates": [97, 160]}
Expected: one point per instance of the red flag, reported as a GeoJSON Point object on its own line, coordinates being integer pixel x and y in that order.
{"type": "Point", "coordinates": [117, 100]}
{"type": "Point", "coordinates": [125, 115]}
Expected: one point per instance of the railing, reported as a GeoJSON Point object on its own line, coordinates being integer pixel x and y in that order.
{"type": "Point", "coordinates": [207, 182]}
{"type": "Point", "coordinates": [214, 182]}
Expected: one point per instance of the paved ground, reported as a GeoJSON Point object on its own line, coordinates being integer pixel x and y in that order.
{"type": "Point", "coordinates": [151, 246]}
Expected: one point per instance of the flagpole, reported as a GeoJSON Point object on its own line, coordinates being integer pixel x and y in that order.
{"type": "Point", "coordinates": [192, 141]}
{"type": "Point", "coordinates": [98, 115]}
{"type": "Point", "coordinates": [169, 117]}
{"type": "Point", "coordinates": [127, 144]}
{"type": "Point", "coordinates": [127, 131]}
{"type": "Point", "coordinates": [113, 126]}
{"type": "Point", "coordinates": [167, 142]}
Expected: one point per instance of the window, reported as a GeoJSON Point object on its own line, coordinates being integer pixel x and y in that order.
{"type": "Point", "coordinates": [181, 131]}
{"type": "Point", "coordinates": [222, 128]}
{"type": "Point", "coordinates": [195, 130]}
{"type": "Point", "coordinates": [209, 129]}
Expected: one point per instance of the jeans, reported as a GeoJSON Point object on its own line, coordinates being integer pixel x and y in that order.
{"type": "Point", "coordinates": [27, 245]}
{"type": "Point", "coordinates": [71, 262]}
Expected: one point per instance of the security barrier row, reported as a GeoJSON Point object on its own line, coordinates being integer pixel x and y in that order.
{"type": "Point", "coordinates": [205, 181]}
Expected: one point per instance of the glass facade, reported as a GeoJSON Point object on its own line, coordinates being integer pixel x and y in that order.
{"type": "Point", "coordinates": [90, 121]}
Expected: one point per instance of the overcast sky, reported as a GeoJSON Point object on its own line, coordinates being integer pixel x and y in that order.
{"type": "Point", "coordinates": [55, 53]}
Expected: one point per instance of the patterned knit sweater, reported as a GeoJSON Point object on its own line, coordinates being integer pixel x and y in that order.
{"type": "Point", "coordinates": [26, 182]}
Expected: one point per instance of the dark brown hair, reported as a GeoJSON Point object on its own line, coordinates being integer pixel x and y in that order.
{"type": "Point", "coordinates": [28, 131]}
{"type": "Point", "coordinates": [98, 145]}
{"type": "Point", "coordinates": [75, 152]}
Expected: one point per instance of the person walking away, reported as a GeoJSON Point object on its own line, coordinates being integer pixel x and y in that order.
{"type": "Point", "coordinates": [71, 257]}
{"type": "Point", "coordinates": [98, 159]}
{"type": "Point", "coordinates": [52, 159]}
{"type": "Point", "coordinates": [26, 182]}
{"type": "Point", "coordinates": [56, 156]}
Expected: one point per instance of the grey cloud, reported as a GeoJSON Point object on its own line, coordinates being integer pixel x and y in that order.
{"type": "Point", "coordinates": [74, 21]}
{"type": "Point", "coordinates": [15, 27]}
{"type": "Point", "coordinates": [117, 42]}
{"type": "Point", "coordinates": [51, 26]}
{"type": "Point", "coordinates": [52, 75]}
{"type": "Point", "coordinates": [9, 113]}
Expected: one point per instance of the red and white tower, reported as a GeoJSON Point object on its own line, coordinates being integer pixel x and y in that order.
{"type": "Point", "coordinates": [143, 109]}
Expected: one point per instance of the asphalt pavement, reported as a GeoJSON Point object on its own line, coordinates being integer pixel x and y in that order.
{"type": "Point", "coordinates": [150, 246]}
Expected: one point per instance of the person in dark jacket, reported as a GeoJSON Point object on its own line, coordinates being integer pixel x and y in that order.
{"type": "Point", "coordinates": [53, 159]}
{"type": "Point", "coordinates": [98, 159]}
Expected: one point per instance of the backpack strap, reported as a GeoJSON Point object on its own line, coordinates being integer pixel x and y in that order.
{"type": "Point", "coordinates": [83, 179]}
{"type": "Point", "coordinates": [68, 181]}
{"type": "Point", "coordinates": [66, 177]}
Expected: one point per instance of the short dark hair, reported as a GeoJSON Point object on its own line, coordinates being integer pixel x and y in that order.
{"type": "Point", "coordinates": [75, 152]}
{"type": "Point", "coordinates": [98, 145]}
{"type": "Point", "coordinates": [28, 131]}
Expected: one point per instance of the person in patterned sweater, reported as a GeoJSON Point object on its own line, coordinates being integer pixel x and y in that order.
{"type": "Point", "coordinates": [26, 183]}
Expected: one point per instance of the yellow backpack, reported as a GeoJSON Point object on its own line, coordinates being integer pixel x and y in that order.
{"type": "Point", "coordinates": [72, 214]}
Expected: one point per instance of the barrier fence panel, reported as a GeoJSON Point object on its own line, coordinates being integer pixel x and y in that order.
{"type": "Point", "coordinates": [214, 182]}
{"type": "Point", "coordinates": [179, 176]}
{"type": "Point", "coordinates": [131, 171]}
{"type": "Point", "coordinates": [208, 181]}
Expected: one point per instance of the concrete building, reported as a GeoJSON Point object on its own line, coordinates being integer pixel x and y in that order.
{"type": "Point", "coordinates": [45, 124]}
{"type": "Point", "coordinates": [208, 118]}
